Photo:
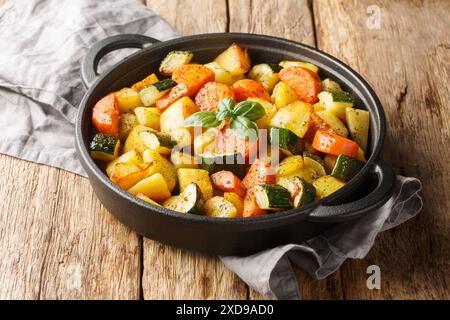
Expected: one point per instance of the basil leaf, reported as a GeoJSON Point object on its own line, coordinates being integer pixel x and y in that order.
{"type": "Point", "coordinates": [244, 128]}
{"type": "Point", "coordinates": [250, 109]}
{"type": "Point", "coordinates": [225, 109]}
{"type": "Point", "coordinates": [204, 119]}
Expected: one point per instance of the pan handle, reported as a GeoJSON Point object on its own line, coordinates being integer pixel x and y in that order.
{"type": "Point", "coordinates": [90, 62]}
{"type": "Point", "coordinates": [374, 200]}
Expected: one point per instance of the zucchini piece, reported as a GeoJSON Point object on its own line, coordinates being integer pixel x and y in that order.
{"type": "Point", "coordinates": [150, 95]}
{"type": "Point", "coordinates": [190, 200]}
{"type": "Point", "coordinates": [104, 147]}
{"type": "Point", "coordinates": [172, 203]}
{"type": "Point", "coordinates": [336, 102]}
{"type": "Point", "coordinates": [358, 124]}
{"type": "Point", "coordinates": [301, 191]}
{"type": "Point", "coordinates": [275, 67]}
{"type": "Point", "coordinates": [334, 122]}
{"type": "Point", "coordinates": [219, 207]}
{"type": "Point", "coordinates": [229, 162]}
{"type": "Point", "coordinates": [301, 64]}
{"type": "Point", "coordinates": [346, 167]}
{"type": "Point", "coordinates": [264, 74]}
{"type": "Point", "coordinates": [306, 193]}
{"type": "Point", "coordinates": [154, 140]}
{"type": "Point", "coordinates": [164, 85]}
{"type": "Point", "coordinates": [312, 163]}
{"type": "Point", "coordinates": [272, 196]}
{"type": "Point", "coordinates": [286, 140]}
{"type": "Point", "coordinates": [295, 117]}
{"type": "Point", "coordinates": [326, 185]}
{"type": "Point", "coordinates": [127, 122]}
{"type": "Point", "coordinates": [331, 86]}
{"type": "Point", "coordinates": [174, 60]}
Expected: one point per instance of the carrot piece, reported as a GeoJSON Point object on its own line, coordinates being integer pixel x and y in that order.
{"type": "Point", "coordinates": [209, 96]}
{"type": "Point", "coordinates": [227, 142]}
{"type": "Point", "coordinates": [177, 92]}
{"type": "Point", "coordinates": [105, 115]}
{"type": "Point", "coordinates": [194, 76]}
{"type": "Point", "coordinates": [260, 172]}
{"type": "Point", "coordinates": [251, 208]}
{"type": "Point", "coordinates": [334, 144]}
{"type": "Point", "coordinates": [304, 82]}
{"type": "Point", "coordinates": [317, 123]}
{"type": "Point", "coordinates": [227, 181]}
{"type": "Point", "coordinates": [247, 88]}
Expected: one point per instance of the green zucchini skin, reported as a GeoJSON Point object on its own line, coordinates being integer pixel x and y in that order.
{"type": "Point", "coordinates": [275, 67]}
{"type": "Point", "coordinates": [306, 194]}
{"type": "Point", "coordinates": [313, 156]}
{"type": "Point", "coordinates": [341, 96]}
{"type": "Point", "coordinates": [164, 84]}
{"type": "Point", "coordinates": [165, 140]}
{"type": "Point", "coordinates": [231, 162]}
{"type": "Point", "coordinates": [104, 143]}
{"type": "Point", "coordinates": [272, 196]}
{"type": "Point", "coordinates": [286, 140]}
{"type": "Point", "coordinates": [346, 167]}
{"type": "Point", "coordinates": [191, 200]}
{"type": "Point", "coordinates": [174, 60]}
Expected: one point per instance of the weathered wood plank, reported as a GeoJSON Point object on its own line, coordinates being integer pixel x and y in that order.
{"type": "Point", "coordinates": [56, 240]}
{"type": "Point", "coordinates": [171, 273]}
{"type": "Point", "coordinates": [289, 19]}
{"type": "Point", "coordinates": [192, 17]}
{"type": "Point", "coordinates": [407, 62]}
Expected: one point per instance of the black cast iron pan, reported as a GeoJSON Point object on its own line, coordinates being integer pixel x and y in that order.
{"type": "Point", "coordinates": [368, 190]}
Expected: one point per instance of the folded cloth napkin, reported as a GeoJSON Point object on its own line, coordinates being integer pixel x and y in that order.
{"type": "Point", "coordinates": [42, 43]}
{"type": "Point", "coordinates": [270, 272]}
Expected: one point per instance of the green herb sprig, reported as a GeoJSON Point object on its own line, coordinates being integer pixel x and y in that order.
{"type": "Point", "coordinates": [241, 117]}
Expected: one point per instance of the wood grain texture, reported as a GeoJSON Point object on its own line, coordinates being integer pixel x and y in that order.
{"type": "Point", "coordinates": [192, 17]}
{"type": "Point", "coordinates": [171, 273]}
{"type": "Point", "coordinates": [56, 240]}
{"type": "Point", "coordinates": [407, 63]}
{"type": "Point", "coordinates": [291, 19]}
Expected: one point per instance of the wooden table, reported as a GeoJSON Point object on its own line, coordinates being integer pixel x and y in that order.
{"type": "Point", "coordinates": [57, 240]}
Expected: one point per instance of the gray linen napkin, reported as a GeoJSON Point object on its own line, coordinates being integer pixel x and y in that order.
{"type": "Point", "coordinates": [42, 43]}
{"type": "Point", "coordinates": [270, 272]}
{"type": "Point", "coordinates": [41, 47]}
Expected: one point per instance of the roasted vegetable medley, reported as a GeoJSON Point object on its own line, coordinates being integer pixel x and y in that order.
{"type": "Point", "coordinates": [227, 139]}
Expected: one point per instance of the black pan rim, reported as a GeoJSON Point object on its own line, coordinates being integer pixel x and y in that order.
{"type": "Point", "coordinates": [280, 217]}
